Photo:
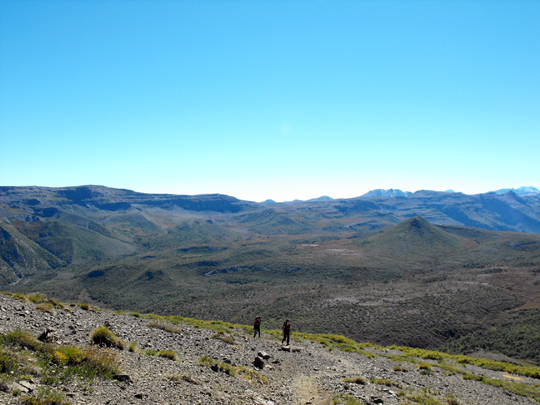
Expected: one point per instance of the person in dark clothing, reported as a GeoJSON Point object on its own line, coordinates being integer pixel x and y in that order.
{"type": "Point", "coordinates": [257, 327]}
{"type": "Point", "coordinates": [286, 331]}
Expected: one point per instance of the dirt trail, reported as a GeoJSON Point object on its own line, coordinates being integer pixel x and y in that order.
{"type": "Point", "coordinates": [306, 391]}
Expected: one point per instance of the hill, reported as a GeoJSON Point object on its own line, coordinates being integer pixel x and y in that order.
{"type": "Point", "coordinates": [172, 360]}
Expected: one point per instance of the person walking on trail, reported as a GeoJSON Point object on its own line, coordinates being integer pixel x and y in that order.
{"type": "Point", "coordinates": [286, 331]}
{"type": "Point", "coordinates": [257, 327]}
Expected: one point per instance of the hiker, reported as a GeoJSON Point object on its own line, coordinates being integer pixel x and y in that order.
{"type": "Point", "coordinates": [257, 327]}
{"type": "Point", "coordinates": [286, 331]}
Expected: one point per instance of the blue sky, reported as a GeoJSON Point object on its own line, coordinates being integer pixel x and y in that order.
{"type": "Point", "coordinates": [270, 99]}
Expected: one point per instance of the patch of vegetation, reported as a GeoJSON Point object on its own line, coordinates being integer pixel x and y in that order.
{"type": "Point", "coordinates": [151, 352]}
{"type": "Point", "coordinates": [355, 380]}
{"type": "Point", "coordinates": [515, 336]}
{"type": "Point", "coordinates": [46, 307]}
{"type": "Point", "coordinates": [450, 369]}
{"type": "Point", "coordinates": [451, 399]}
{"type": "Point", "coordinates": [346, 399]}
{"type": "Point", "coordinates": [523, 390]}
{"type": "Point", "coordinates": [45, 396]}
{"type": "Point", "coordinates": [252, 375]}
{"type": "Point", "coordinates": [227, 369]}
{"type": "Point", "coordinates": [36, 298]}
{"type": "Point", "coordinates": [167, 328]}
{"type": "Point", "coordinates": [400, 368]}
{"type": "Point", "coordinates": [472, 377]}
{"type": "Point", "coordinates": [56, 363]}
{"type": "Point", "coordinates": [8, 362]}
{"type": "Point", "coordinates": [384, 381]}
{"type": "Point", "coordinates": [423, 398]}
{"type": "Point", "coordinates": [408, 353]}
{"type": "Point", "coordinates": [206, 360]}
{"type": "Point", "coordinates": [168, 354]}
{"type": "Point", "coordinates": [23, 339]}
{"type": "Point", "coordinates": [104, 337]}
{"type": "Point", "coordinates": [222, 336]}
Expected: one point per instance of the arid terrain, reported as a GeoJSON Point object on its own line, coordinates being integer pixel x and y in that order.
{"type": "Point", "coordinates": [159, 360]}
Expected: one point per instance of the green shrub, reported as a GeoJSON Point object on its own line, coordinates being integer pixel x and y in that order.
{"type": "Point", "coordinates": [165, 327]}
{"type": "Point", "coordinates": [46, 307]}
{"type": "Point", "coordinates": [56, 304]}
{"type": "Point", "coordinates": [252, 375]}
{"type": "Point", "coordinates": [227, 339]}
{"type": "Point", "coordinates": [227, 369]}
{"type": "Point", "coordinates": [45, 396]}
{"type": "Point", "coordinates": [206, 360]}
{"type": "Point", "coordinates": [384, 381]}
{"type": "Point", "coordinates": [104, 337]}
{"type": "Point", "coordinates": [356, 380]}
{"type": "Point", "coordinates": [472, 377]}
{"type": "Point", "coordinates": [88, 362]}
{"type": "Point", "coordinates": [36, 298]}
{"type": "Point", "coordinates": [20, 297]}
{"type": "Point", "coordinates": [23, 339]}
{"type": "Point", "coordinates": [451, 399]}
{"type": "Point", "coordinates": [168, 354]}
{"type": "Point", "coordinates": [8, 363]}
{"type": "Point", "coordinates": [150, 352]}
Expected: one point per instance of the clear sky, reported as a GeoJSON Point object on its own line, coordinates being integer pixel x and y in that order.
{"type": "Point", "coordinates": [270, 99]}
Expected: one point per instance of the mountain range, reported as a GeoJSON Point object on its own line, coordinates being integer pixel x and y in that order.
{"type": "Point", "coordinates": [398, 193]}
{"type": "Point", "coordinates": [431, 269]}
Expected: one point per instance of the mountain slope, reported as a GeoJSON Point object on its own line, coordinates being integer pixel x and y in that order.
{"type": "Point", "coordinates": [19, 256]}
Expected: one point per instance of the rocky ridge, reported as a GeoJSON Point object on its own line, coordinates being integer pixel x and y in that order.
{"type": "Point", "coordinates": [304, 373]}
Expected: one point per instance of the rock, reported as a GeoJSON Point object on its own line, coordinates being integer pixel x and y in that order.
{"type": "Point", "coordinates": [376, 400]}
{"type": "Point", "coordinates": [20, 388]}
{"type": "Point", "coordinates": [3, 386]}
{"type": "Point", "coordinates": [286, 348]}
{"type": "Point", "coordinates": [214, 367]}
{"type": "Point", "coordinates": [190, 380]}
{"type": "Point", "coordinates": [258, 362]}
{"type": "Point", "coordinates": [29, 386]}
{"type": "Point", "coordinates": [263, 355]}
{"type": "Point", "coordinates": [47, 336]}
{"type": "Point", "coordinates": [296, 349]}
{"type": "Point", "coordinates": [139, 395]}
{"type": "Point", "coordinates": [122, 377]}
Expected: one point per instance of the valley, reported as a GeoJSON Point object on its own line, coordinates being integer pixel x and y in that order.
{"type": "Point", "coordinates": [430, 270]}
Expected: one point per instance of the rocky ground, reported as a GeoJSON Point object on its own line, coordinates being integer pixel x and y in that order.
{"type": "Point", "coordinates": [303, 373]}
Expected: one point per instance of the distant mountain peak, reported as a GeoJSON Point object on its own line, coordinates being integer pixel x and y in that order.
{"type": "Point", "coordinates": [323, 198]}
{"type": "Point", "coordinates": [519, 191]}
{"type": "Point", "coordinates": [269, 201]}
{"type": "Point", "coordinates": [387, 193]}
